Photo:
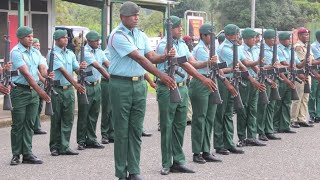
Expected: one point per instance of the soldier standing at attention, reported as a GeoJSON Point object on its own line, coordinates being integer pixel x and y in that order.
{"type": "Point", "coordinates": [173, 115]}
{"type": "Point", "coordinates": [25, 96]}
{"type": "Point", "coordinates": [64, 65]}
{"type": "Point", "coordinates": [88, 113]}
{"type": "Point", "coordinates": [131, 55]}
{"type": "Point", "coordinates": [37, 126]}
{"type": "Point", "coordinates": [246, 117]}
{"type": "Point", "coordinates": [204, 110]}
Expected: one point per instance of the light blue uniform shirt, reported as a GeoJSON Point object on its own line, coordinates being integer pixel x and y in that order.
{"type": "Point", "coordinates": [90, 56]}
{"type": "Point", "coordinates": [284, 54]}
{"type": "Point", "coordinates": [268, 53]}
{"type": "Point", "coordinates": [315, 48]}
{"type": "Point", "coordinates": [122, 42]}
{"type": "Point", "coordinates": [201, 54]}
{"type": "Point", "coordinates": [251, 54]}
{"type": "Point", "coordinates": [21, 56]}
{"type": "Point", "coordinates": [181, 50]}
{"type": "Point", "coordinates": [107, 54]}
{"type": "Point", "coordinates": [67, 60]}
{"type": "Point", "coordinates": [225, 54]}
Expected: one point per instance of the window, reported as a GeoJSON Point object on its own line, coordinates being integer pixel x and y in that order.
{"type": "Point", "coordinates": [39, 5]}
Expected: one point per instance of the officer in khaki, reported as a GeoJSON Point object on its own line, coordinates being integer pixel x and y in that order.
{"type": "Point", "coordinates": [299, 108]}
{"type": "Point", "coordinates": [77, 43]}
{"type": "Point", "coordinates": [25, 96]}
{"type": "Point", "coordinates": [314, 97]}
{"type": "Point", "coordinates": [64, 65]}
{"type": "Point", "coordinates": [203, 110]}
{"type": "Point", "coordinates": [246, 117]}
{"type": "Point", "coordinates": [129, 49]}
{"type": "Point", "coordinates": [173, 115]}
{"type": "Point", "coordinates": [88, 113]}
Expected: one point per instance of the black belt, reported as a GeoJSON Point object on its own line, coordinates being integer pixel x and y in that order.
{"type": "Point", "coordinates": [103, 79]}
{"type": "Point", "coordinates": [93, 83]}
{"type": "Point", "coordinates": [23, 86]}
{"type": "Point", "coordinates": [63, 87]}
{"type": "Point", "coordinates": [135, 78]}
{"type": "Point", "coordinates": [178, 84]}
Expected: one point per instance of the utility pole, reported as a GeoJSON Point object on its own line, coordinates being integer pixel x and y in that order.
{"type": "Point", "coordinates": [253, 13]}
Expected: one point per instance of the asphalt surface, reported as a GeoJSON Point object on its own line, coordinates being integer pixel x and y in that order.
{"type": "Point", "coordinates": [296, 156]}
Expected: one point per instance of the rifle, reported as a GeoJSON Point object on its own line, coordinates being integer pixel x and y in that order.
{"type": "Point", "coordinates": [173, 62]}
{"type": "Point", "coordinates": [215, 97]}
{"type": "Point", "coordinates": [308, 68]}
{"type": "Point", "coordinates": [8, 73]}
{"type": "Point", "coordinates": [83, 98]}
{"type": "Point", "coordinates": [237, 78]}
{"type": "Point", "coordinates": [50, 83]}
{"type": "Point", "coordinates": [293, 73]}
{"type": "Point", "coordinates": [275, 72]}
{"type": "Point", "coordinates": [263, 97]}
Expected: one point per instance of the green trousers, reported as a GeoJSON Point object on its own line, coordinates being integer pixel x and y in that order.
{"type": "Point", "coordinates": [202, 117]}
{"type": "Point", "coordinates": [281, 120]}
{"type": "Point", "coordinates": [25, 104]}
{"type": "Point", "coordinates": [265, 115]}
{"type": "Point", "coordinates": [37, 125]}
{"type": "Point", "coordinates": [128, 109]}
{"type": "Point", "coordinates": [173, 121]}
{"type": "Point", "coordinates": [246, 117]}
{"type": "Point", "coordinates": [314, 99]}
{"type": "Point", "coordinates": [88, 116]}
{"type": "Point", "coordinates": [62, 119]}
{"type": "Point", "coordinates": [107, 125]}
{"type": "Point", "coordinates": [223, 123]}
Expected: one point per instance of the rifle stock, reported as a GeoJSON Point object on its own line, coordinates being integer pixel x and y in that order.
{"type": "Point", "coordinates": [276, 71]}
{"type": "Point", "coordinates": [308, 68]}
{"type": "Point", "coordinates": [236, 81]}
{"type": "Point", "coordinates": [293, 73]}
{"type": "Point", "coordinates": [8, 73]}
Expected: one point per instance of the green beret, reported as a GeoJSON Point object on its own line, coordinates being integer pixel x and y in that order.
{"type": "Point", "coordinates": [231, 29]}
{"type": "Point", "coordinates": [59, 34]}
{"type": "Point", "coordinates": [284, 35]}
{"type": "Point", "coordinates": [35, 40]}
{"type": "Point", "coordinates": [129, 9]}
{"type": "Point", "coordinates": [248, 33]}
{"type": "Point", "coordinates": [93, 36]}
{"type": "Point", "coordinates": [23, 31]}
{"type": "Point", "coordinates": [176, 21]}
{"type": "Point", "coordinates": [269, 34]}
{"type": "Point", "coordinates": [206, 29]}
{"type": "Point", "coordinates": [221, 37]}
{"type": "Point", "coordinates": [318, 34]}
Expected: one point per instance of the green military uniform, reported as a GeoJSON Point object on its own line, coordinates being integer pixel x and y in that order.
{"type": "Point", "coordinates": [63, 102]}
{"type": "Point", "coordinates": [25, 100]}
{"type": "Point", "coordinates": [246, 117]}
{"type": "Point", "coordinates": [173, 115]}
{"type": "Point", "coordinates": [203, 110]}
{"type": "Point", "coordinates": [129, 93]}
{"type": "Point", "coordinates": [281, 120]}
{"type": "Point", "coordinates": [107, 125]}
{"type": "Point", "coordinates": [314, 97]}
{"type": "Point", "coordinates": [88, 113]}
{"type": "Point", "coordinates": [223, 124]}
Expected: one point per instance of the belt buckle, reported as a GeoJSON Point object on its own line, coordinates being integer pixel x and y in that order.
{"type": "Point", "coordinates": [64, 87]}
{"type": "Point", "coordinates": [180, 84]}
{"type": "Point", "coordinates": [135, 78]}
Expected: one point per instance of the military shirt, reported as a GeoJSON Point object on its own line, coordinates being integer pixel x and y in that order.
{"type": "Point", "coordinates": [225, 54]}
{"type": "Point", "coordinates": [107, 54]}
{"type": "Point", "coordinates": [90, 56]}
{"type": "Point", "coordinates": [284, 54]}
{"type": "Point", "coordinates": [181, 50]}
{"type": "Point", "coordinates": [122, 42]}
{"type": "Point", "coordinates": [301, 52]}
{"type": "Point", "coordinates": [268, 54]}
{"type": "Point", "coordinates": [315, 48]}
{"type": "Point", "coordinates": [21, 56]}
{"type": "Point", "coordinates": [66, 59]}
{"type": "Point", "coordinates": [201, 54]}
{"type": "Point", "coordinates": [251, 54]}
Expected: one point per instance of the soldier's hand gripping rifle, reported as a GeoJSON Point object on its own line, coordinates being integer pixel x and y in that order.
{"type": "Point", "coordinates": [237, 78]}
{"type": "Point", "coordinates": [50, 83]}
{"type": "Point", "coordinates": [83, 98]}
{"type": "Point", "coordinates": [263, 76]}
{"type": "Point", "coordinates": [215, 97]}
{"type": "Point", "coordinates": [275, 72]}
{"type": "Point", "coordinates": [7, 73]}
{"type": "Point", "coordinates": [173, 62]}
{"type": "Point", "coordinates": [308, 68]}
{"type": "Point", "coordinates": [293, 73]}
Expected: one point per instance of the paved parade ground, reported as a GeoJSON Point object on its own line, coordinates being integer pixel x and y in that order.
{"type": "Point", "coordinates": [296, 156]}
